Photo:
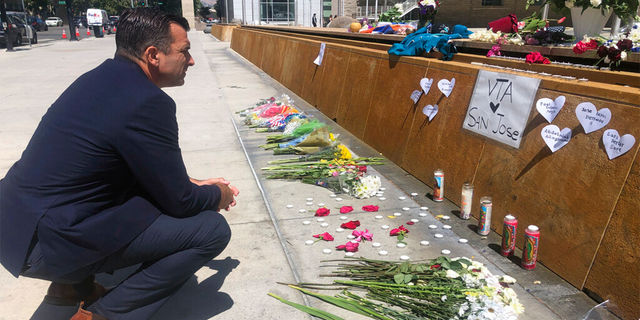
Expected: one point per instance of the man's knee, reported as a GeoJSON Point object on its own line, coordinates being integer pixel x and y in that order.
{"type": "Point", "coordinates": [218, 232]}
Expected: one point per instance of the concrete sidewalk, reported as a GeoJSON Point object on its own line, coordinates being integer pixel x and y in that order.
{"type": "Point", "coordinates": [268, 240]}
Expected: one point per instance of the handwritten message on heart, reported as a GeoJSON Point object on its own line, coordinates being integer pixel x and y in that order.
{"type": "Point", "coordinates": [592, 119]}
{"type": "Point", "coordinates": [548, 108]}
{"type": "Point", "coordinates": [554, 138]}
{"type": "Point", "coordinates": [430, 111]}
{"type": "Point", "coordinates": [446, 86]}
{"type": "Point", "coordinates": [616, 145]}
{"type": "Point", "coordinates": [416, 95]}
{"type": "Point", "coordinates": [426, 84]}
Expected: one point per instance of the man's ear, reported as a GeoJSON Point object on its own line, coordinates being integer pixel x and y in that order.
{"type": "Point", "coordinates": [151, 55]}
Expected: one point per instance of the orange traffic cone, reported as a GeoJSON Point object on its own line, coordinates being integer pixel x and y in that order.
{"type": "Point", "coordinates": [88, 32]}
{"type": "Point", "coordinates": [114, 28]}
{"type": "Point", "coordinates": [77, 32]}
{"type": "Point", "coordinates": [64, 34]}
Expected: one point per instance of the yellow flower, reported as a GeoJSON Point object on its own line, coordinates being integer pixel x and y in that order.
{"type": "Point", "coordinates": [323, 160]}
{"type": "Point", "coordinates": [344, 152]}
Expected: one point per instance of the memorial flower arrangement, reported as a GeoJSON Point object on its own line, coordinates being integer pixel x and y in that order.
{"type": "Point", "coordinates": [609, 51]}
{"type": "Point", "coordinates": [443, 288]}
{"type": "Point", "coordinates": [625, 9]}
{"type": "Point", "coordinates": [537, 58]}
{"type": "Point", "coordinates": [400, 233]}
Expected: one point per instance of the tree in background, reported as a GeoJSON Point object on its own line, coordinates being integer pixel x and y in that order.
{"type": "Point", "coordinates": [220, 8]}
{"type": "Point", "coordinates": [204, 11]}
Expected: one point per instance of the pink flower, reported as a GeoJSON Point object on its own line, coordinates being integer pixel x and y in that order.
{"type": "Point", "coordinates": [322, 212]}
{"type": "Point", "coordinates": [532, 41]}
{"type": "Point", "coordinates": [349, 247]}
{"type": "Point", "coordinates": [536, 57]}
{"type": "Point", "coordinates": [362, 235]}
{"type": "Point", "coordinates": [370, 208]}
{"type": "Point", "coordinates": [346, 209]}
{"type": "Point", "coordinates": [324, 236]}
{"type": "Point", "coordinates": [495, 51]}
{"type": "Point", "coordinates": [335, 173]}
{"type": "Point", "coordinates": [561, 20]}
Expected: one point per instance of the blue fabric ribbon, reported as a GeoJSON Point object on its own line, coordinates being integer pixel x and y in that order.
{"type": "Point", "coordinates": [421, 41]}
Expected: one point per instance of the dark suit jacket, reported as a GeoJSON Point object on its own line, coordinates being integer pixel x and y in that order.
{"type": "Point", "coordinates": [110, 130]}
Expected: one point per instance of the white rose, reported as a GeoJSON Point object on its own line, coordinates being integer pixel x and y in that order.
{"type": "Point", "coordinates": [452, 274]}
{"type": "Point", "coordinates": [607, 60]}
{"type": "Point", "coordinates": [623, 56]}
{"type": "Point", "coordinates": [596, 3]}
{"type": "Point", "coordinates": [568, 4]}
{"type": "Point", "coordinates": [508, 279]}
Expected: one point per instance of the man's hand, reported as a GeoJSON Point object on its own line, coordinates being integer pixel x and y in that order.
{"type": "Point", "coordinates": [209, 182]}
{"type": "Point", "coordinates": [227, 194]}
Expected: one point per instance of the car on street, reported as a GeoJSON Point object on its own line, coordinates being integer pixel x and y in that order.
{"type": "Point", "coordinates": [37, 24]}
{"type": "Point", "coordinates": [80, 21]}
{"type": "Point", "coordinates": [54, 22]}
{"type": "Point", "coordinates": [18, 28]}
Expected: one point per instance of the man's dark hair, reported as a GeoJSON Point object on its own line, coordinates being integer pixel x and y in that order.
{"type": "Point", "coordinates": [141, 28]}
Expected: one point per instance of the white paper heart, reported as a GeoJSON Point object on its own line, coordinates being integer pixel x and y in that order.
{"type": "Point", "coordinates": [426, 84]}
{"type": "Point", "coordinates": [554, 138]}
{"type": "Point", "coordinates": [549, 109]}
{"type": "Point", "coordinates": [592, 119]}
{"type": "Point", "coordinates": [446, 86]}
{"type": "Point", "coordinates": [430, 111]}
{"type": "Point", "coordinates": [616, 145]}
{"type": "Point", "coordinates": [416, 95]}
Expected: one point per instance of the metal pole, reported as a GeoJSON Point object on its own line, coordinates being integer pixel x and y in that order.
{"type": "Point", "coordinates": [244, 13]}
{"type": "Point", "coordinates": [5, 26]}
{"type": "Point", "coordinates": [253, 18]}
{"type": "Point", "coordinates": [342, 5]}
{"type": "Point", "coordinates": [131, 4]}
{"type": "Point", "coordinates": [366, 10]}
{"type": "Point", "coordinates": [615, 26]}
{"type": "Point", "coordinates": [376, 10]}
{"type": "Point", "coordinates": [226, 9]}
{"type": "Point", "coordinates": [28, 26]}
{"type": "Point", "coordinates": [545, 11]}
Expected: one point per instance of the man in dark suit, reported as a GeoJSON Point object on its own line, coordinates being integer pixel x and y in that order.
{"type": "Point", "coordinates": [102, 185]}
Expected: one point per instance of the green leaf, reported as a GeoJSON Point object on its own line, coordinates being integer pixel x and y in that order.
{"type": "Point", "coordinates": [445, 264]}
{"type": "Point", "coordinates": [400, 237]}
{"type": "Point", "coordinates": [408, 278]}
{"type": "Point", "coordinates": [465, 261]}
{"type": "Point", "coordinates": [404, 267]}
{"type": "Point", "coordinates": [419, 268]}
{"type": "Point", "coordinates": [455, 265]}
{"type": "Point", "coordinates": [312, 311]}
{"type": "Point", "coordinates": [399, 278]}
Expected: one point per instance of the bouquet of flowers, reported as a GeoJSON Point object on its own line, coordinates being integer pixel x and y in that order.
{"type": "Point", "coordinates": [340, 176]}
{"type": "Point", "coordinates": [330, 153]}
{"type": "Point", "coordinates": [299, 131]}
{"type": "Point", "coordinates": [309, 143]}
{"type": "Point", "coordinates": [610, 51]}
{"type": "Point", "coordinates": [443, 288]}
{"type": "Point", "coordinates": [625, 9]}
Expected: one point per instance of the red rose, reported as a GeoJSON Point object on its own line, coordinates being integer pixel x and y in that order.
{"type": "Point", "coordinates": [614, 54]}
{"type": "Point", "coordinates": [322, 212]}
{"type": "Point", "coordinates": [410, 223]}
{"type": "Point", "coordinates": [350, 225]}
{"type": "Point", "coordinates": [580, 48]}
{"type": "Point", "coordinates": [362, 169]}
{"type": "Point", "coordinates": [324, 236]}
{"type": "Point", "coordinates": [370, 208]}
{"type": "Point", "coordinates": [592, 45]}
{"type": "Point", "coordinates": [536, 57]}
{"type": "Point", "coordinates": [435, 266]}
{"type": "Point", "coordinates": [400, 230]}
{"type": "Point", "coordinates": [349, 247]}
{"type": "Point", "coordinates": [625, 44]}
{"type": "Point", "coordinates": [346, 209]}
{"type": "Point", "coordinates": [603, 51]}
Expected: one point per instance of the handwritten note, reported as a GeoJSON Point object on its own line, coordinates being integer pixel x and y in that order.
{"type": "Point", "coordinates": [430, 111]}
{"type": "Point", "coordinates": [318, 60]}
{"type": "Point", "coordinates": [415, 96]}
{"type": "Point", "coordinates": [592, 119]}
{"type": "Point", "coordinates": [616, 145]}
{"type": "Point", "coordinates": [426, 84]}
{"type": "Point", "coordinates": [500, 106]}
{"type": "Point", "coordinates": [446, 86]}
{"type": "Point", "coordinates": [554, 138]}
{"type": "Point", "coordinates": [548, 108]}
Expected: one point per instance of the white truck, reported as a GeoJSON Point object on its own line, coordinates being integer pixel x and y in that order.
{"type": "Point", "coordinates": [98, 19]}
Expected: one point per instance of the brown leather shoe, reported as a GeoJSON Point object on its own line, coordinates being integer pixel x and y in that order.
{"type": "Point", "coordinates": [88, 291]}
{"type": "Point", "coordinates": [83, 314]}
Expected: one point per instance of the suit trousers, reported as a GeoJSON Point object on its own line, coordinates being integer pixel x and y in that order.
{"type": "Point", "coordinates": [171, 250]}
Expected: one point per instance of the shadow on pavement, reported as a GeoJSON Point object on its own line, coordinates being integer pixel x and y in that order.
{"type": "Point", "coordinates": [194, 301]}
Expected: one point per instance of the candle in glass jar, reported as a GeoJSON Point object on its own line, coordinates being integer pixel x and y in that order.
{"type": "Point", "coordinates": [484, 221]}
{"type": "Point", "coordinates": [467, 198]}
{"type": "Point", "coordinates": [438, 185]}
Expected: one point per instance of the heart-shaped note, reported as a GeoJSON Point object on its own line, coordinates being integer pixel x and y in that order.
{"type": "Point", "coordinates": [426, 84]}
{"type": "Point", "coordinates": [554, 138]}
{"type": "Point", "coordinates": [416, 95]}
{"type": "Point", "coordinates": [590, 118]}
{"type": "Point", "coordinates": [549, 109]}
{"type": "Point", "coordinates": [446, 86]}
{"type": "Point", "coordinates": [430, 111]}
{"type": "Point", "coordinates": [616, 145]}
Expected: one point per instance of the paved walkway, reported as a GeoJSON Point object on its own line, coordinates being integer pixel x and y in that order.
{"type": "Point", "coordinates": [268, 240]}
